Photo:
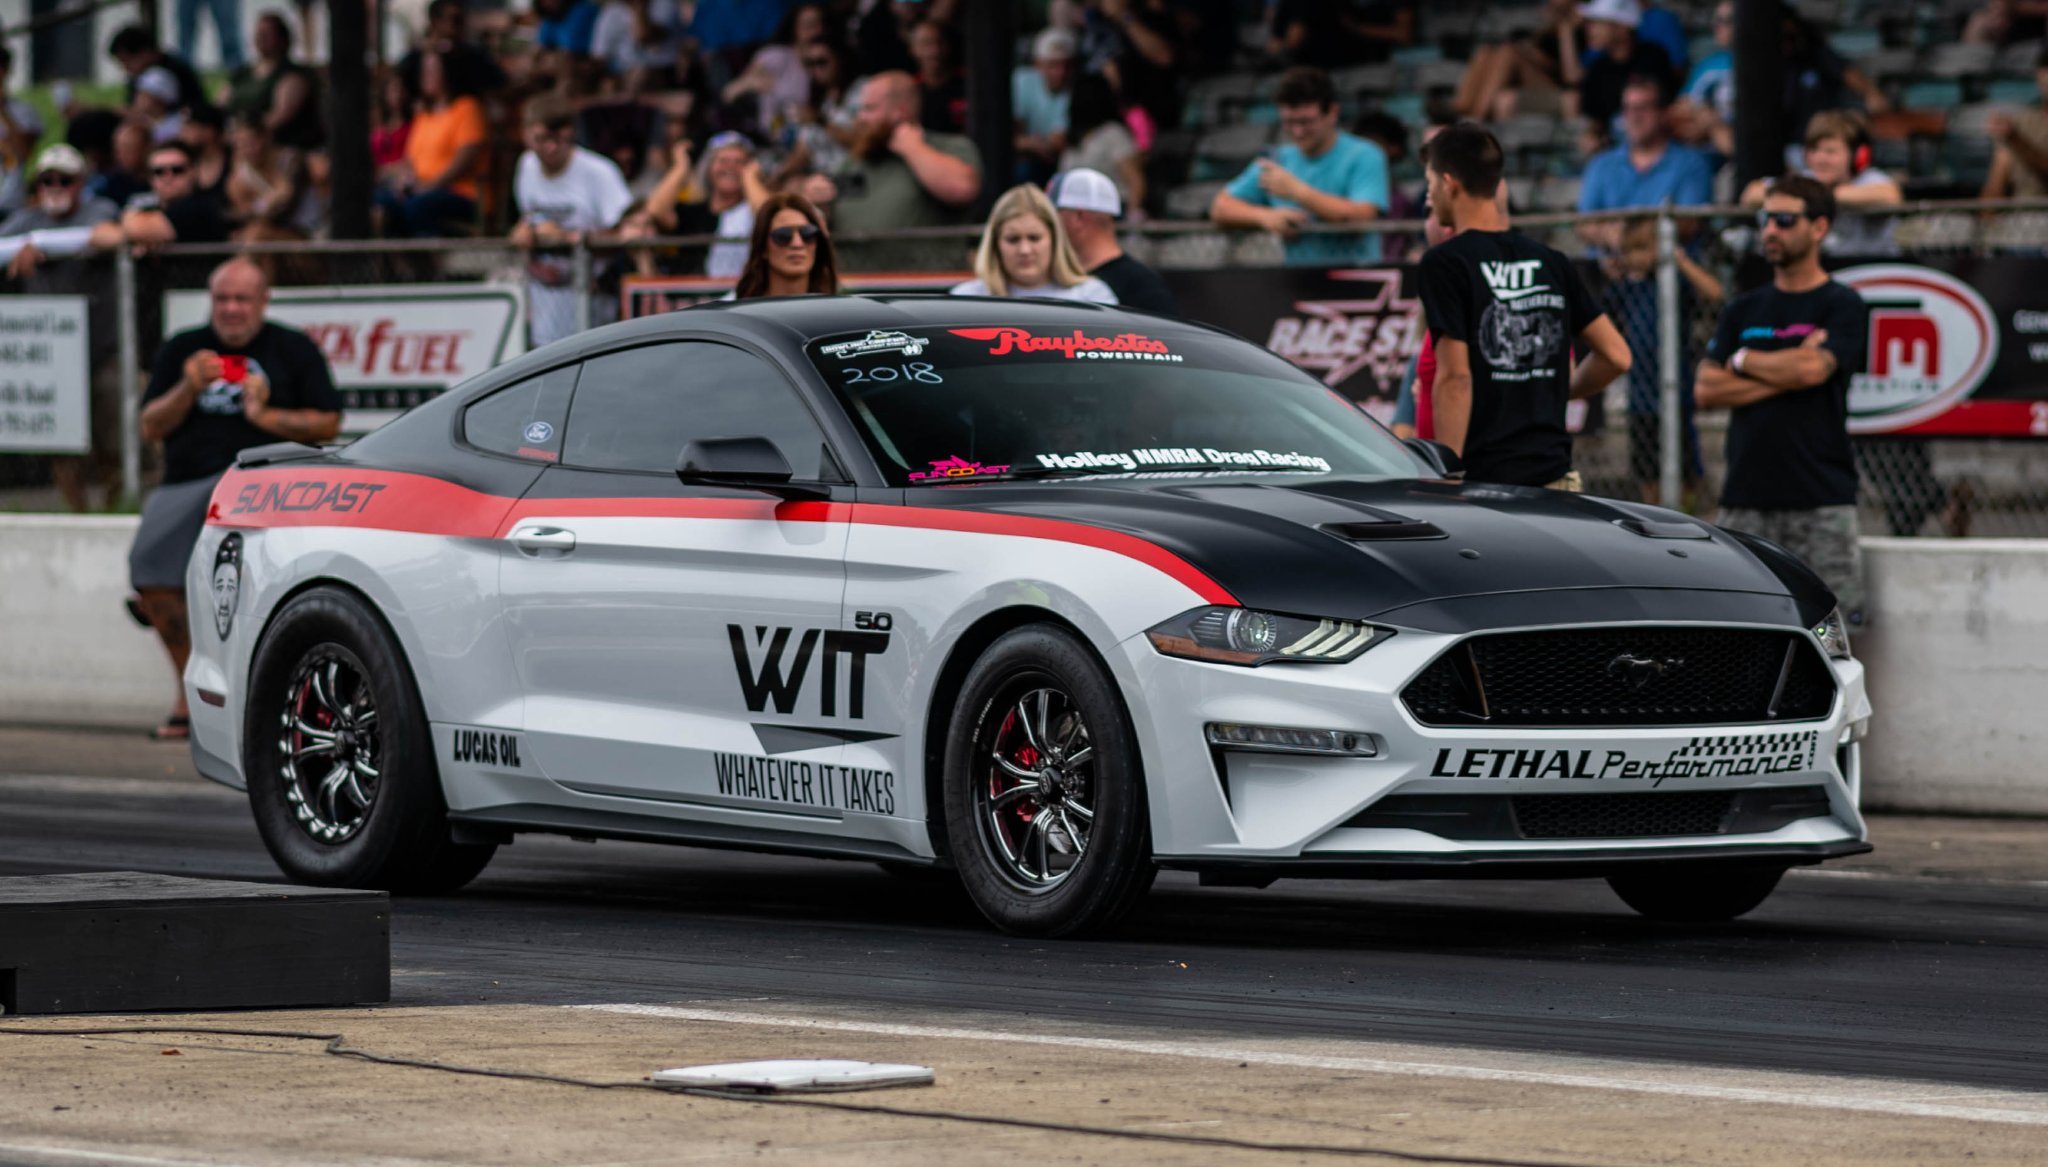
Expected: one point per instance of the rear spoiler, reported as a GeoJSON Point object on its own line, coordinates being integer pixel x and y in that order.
{"type": "Point", "coordinates": [276, 452]}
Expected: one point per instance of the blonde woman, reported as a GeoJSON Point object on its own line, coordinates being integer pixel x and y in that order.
{"type": "Point", "coordinates": [1024, 252]}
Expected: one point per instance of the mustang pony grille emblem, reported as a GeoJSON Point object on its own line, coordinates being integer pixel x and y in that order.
{"type": "Point", "coordinates": [1637, 672]}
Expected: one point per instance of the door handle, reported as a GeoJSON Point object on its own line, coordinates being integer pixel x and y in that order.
{"type": "Point", "coordinates": [537, 540]}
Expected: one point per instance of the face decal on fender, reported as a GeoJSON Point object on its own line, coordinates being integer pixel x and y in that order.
{"type": "Point", "coordinates": [227, 582]}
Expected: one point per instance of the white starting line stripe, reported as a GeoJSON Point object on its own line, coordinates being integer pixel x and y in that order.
{"type": "Point", "coordinates": [1823, 1092]}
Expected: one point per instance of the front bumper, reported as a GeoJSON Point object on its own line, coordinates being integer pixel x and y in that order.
{"type": "Point", "coordinates": [1225, 810]}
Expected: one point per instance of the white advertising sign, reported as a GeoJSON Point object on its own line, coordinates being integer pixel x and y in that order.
{"type": "Point", "coordinates": [45, 378]}
{"type": "Point", "coordinates": [391, 345]}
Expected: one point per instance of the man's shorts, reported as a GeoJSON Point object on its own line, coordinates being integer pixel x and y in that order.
{"type": "Point", "coordinates": [172, 518]}
{"type": "Point", "coordinates": [1824, 537]}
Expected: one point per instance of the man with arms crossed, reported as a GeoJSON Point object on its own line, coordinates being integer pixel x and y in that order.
{"type": "Point", "coordinates": [237, 382]}
{"type": "Point", "coordinates": [1781, 359]}
{"type": "Point", "coordinates": [1502, 312]}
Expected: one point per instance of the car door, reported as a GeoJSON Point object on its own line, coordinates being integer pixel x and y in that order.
{"type": "Point", "coordinates": [681, 644]}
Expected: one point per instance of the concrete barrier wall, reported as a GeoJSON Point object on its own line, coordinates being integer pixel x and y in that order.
{"type": "Point", "coordinates": [1957, 653]}
{"type": "Point", "coordinates": [69, 654]}
{"type": "Point", "coordinates": [1958, 660]}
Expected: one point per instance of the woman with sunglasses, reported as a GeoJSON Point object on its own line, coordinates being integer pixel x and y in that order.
{"type": "Point", "coordinates": [791, 254]}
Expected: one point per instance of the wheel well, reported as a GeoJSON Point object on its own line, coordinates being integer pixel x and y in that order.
{"type": "Point", "coordinates": [939, 717]}
{"type": "Point", "coordinates": [340, 585]}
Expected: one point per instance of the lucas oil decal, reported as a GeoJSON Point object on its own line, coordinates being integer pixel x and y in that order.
{"type": "Point", "coordinates": [482, 747]}
{"type": "Point", "coordinates": [1702, 757]}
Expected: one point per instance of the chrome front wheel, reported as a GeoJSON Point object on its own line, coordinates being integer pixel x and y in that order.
{"type": "Point", "coordinates": [1035, 802]}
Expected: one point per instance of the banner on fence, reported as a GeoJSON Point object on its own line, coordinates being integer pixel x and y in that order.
{"type": "Point", "coordinates": [653, 295]}
{"type": "Point", "coordinates": [45, 378]}
{"type": "Point", "coordinates": [391, 346]}
{"type": "Point", "coordinates": [1958, 345]}
{"type": "Point", "coordinates": [1355, 328]}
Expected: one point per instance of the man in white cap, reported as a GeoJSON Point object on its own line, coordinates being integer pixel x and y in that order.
{"type": "Point", "coordinates": [1089, 208]}
{"type": "Point", "coordinates": [1618, 54]}
{"type": "Point", "coordinates": [48, 246]}
{"type": "Point", "coordinates": [1039, 97]}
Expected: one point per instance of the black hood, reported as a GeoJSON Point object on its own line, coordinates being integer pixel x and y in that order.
{"type": "Point", "coordinates": [1436, 555]}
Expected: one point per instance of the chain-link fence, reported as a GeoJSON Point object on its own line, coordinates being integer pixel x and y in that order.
{"type": "Point", "coordinates": [1968, 466]}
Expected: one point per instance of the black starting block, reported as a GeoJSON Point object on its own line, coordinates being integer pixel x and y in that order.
{"type": "Point", "coordinates": [126, 942]}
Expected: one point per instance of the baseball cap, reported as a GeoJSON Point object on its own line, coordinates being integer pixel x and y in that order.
{"type": "Point", "coordinates": [1054, 44]}
{"type": "Point", "coordinates": [159, 83]}
{"type": "Point", "coordinates": [1627, 13]}
{"type": "Point", "coordinates": [60, 158]}
{"type": "Point", "coordinates": [720, 141]}
{"type": "Point", "coordinates": [1082, 189]}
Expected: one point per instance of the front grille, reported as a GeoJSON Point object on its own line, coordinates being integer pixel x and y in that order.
{"type": "Point", "coordinates": [1621, 815]}
{"type": "Point", "coordinates": [1624, 676]}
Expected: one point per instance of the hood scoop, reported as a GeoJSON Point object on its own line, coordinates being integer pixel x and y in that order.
{"type": "Point", "coordinates": [1652, 529]}
{"type": "Point", "coordinates": [1384, 531]}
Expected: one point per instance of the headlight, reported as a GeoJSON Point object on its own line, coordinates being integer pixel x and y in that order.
{"type": "Point", "coordinates": [1833, 635]}
{"type": "Point", "coordinates": [1241, 636]}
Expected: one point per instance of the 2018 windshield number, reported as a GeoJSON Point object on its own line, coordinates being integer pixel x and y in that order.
{"type": "Point", "coordinates": [908, 371]}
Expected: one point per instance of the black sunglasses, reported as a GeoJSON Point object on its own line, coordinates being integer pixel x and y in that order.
{"type": "Point", "coordinates": [787, 236]}
{"type": "Point", "coordinates": [171, 171]}
{"type": "Point", "coordinates": [1782, 220]}
{"type": "Point", "coordinates": [57, 180]}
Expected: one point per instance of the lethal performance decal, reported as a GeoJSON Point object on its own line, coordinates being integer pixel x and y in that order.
{"type": "Point", "coordinates": [793, 782]}
{"type": "Point", "coordinates": [1702, 757]}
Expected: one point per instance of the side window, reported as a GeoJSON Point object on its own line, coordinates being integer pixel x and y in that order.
{"type": "Point", "coordinates": [634, 409]}
{"type": "Point", "coordinates": [523, 419]}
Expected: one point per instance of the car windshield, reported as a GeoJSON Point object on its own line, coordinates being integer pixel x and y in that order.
{"type": "Point", "coordinates": [964, 404]}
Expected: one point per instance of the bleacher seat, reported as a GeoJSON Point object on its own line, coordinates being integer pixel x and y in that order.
{"type": "Point", "coordinates": [2012, 91]}
{"type": "Point", "coordinates": [1853, 43]}
{"type": "Point", "coordinates": [1967, 121]}
{"type": "Point", "coordinates": [1409, 108]}
{"type": "Point", "coordinates": [1370, 80]}
{"type": "Point", "coordinates": [1932, 95]}
{"type": "Point", "coordinates": [1885, 64]}
{"type": "Point", "coordinates": [1225, 150]}
{"type": "Point", "coordinates": [1431, 75]}
{"type": "Point", "coordinates": [1961, 60]}
{"type": "Point", "coordinates": [1418, 54]}
{"type": "Point", "coordinates": [1524, 131]}
{"type": "Point", "coordinates": [2019, 58]}
{"type": "Point", "coordinates": [1559, 194]}
{"type": "Point", "coordinates": [1191, 201]}
{"type": "Point", "coordinates": [1521, 192]}
{"type": "Point", "coordinates": [1208, 97]}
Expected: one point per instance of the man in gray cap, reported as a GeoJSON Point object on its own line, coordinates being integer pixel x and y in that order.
{"type": "Point", "coordinates": [49, 248]}
{"type": "Point", "coordinates": [1089, 208]}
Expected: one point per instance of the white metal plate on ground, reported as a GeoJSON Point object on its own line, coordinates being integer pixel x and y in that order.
{"type": "Point", "coordinates": [797, 1075]}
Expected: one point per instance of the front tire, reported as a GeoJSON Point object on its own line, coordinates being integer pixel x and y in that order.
{"type": "Point", "coordinates": [1044, 796]}
{"type": "Point", "coordinates": [1696, 893]}
{"type": "Point", "coordinates": [339, 756]}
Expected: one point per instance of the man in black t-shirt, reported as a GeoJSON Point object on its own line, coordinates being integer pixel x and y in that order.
{"type": "Point", "coordinates": [1502, 312]}
{"type": "Point", "coordinates": [240, 381]}
{"type": "Point", "coordinates": [175, 210]}
{"type": "Point", "coordinates": [1782, 359]}
{"type": "Point", "coordinates": [1089, 206]}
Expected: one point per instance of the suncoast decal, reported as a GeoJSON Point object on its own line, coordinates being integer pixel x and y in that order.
{"type": "Point", "coordinates": [1075, 345]}
{"type": "Point", "coordinates": [793, 782]}
{"type": "Point", "coordinates": [1170, 456]}
{"type": "Point", "coordinates": [1701, 757]}
{"type": "Point", "coordinates": [311, 494]}
{"type": "Point", "coordinates": [956, 467]}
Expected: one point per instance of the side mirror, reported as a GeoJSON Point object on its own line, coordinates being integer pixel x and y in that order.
{"type": "Point", "coordinates": [1436, 456]}
{"type": "Point", "coordinates": [740, 463]}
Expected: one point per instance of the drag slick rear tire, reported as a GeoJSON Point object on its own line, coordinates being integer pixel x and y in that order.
{"type": "Point", "coordinates": [339, 757]}
{"type": "Point", "coordinates": [1044, 796]}
{"type": "Point", "coordinates": [1695, 893]}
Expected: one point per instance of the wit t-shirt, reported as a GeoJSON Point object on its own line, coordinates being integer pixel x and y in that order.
{"type": "Point", "coordinates": [1090, 289]}
{"type": "Point", "coordinates": [588, 195]}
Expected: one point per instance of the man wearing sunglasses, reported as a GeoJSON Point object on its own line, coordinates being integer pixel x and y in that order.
{"type": "Point", "coordinates": [175, 210]}
{"type": "Point", "coordinates": [50, 247]}
{"type": "Point", "coordinates": [564, 192]}
{"type": "Point", "coordinates": [1782, 359]}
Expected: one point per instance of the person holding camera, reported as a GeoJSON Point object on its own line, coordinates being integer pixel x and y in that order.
{"type": "Point", "coordinates": [239, 381]}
